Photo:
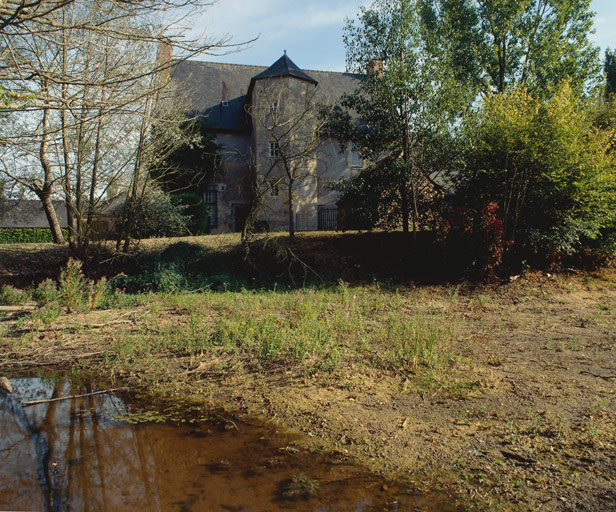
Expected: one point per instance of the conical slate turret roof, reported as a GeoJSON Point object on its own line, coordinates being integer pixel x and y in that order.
{"type": "Point", "coordinates": [284, 67]}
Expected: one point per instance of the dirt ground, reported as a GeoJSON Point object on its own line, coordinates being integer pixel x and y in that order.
{"type": "Point", "coordinates": [530, 423]}
{"type": "Point", "coordinates": [536, 429]}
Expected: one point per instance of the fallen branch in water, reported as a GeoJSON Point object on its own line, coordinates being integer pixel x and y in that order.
{"type": "Point", "coordinates": [228, 421]}
{"type": "Point", "coordinates": [72, 397]}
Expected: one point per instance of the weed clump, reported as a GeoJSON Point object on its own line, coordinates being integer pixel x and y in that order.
{"type": "Point", "coordinates": [73, 291]}
{"type": "Point", "coordinates": [47, 315]}
{"type": "Point", "coordinates": [414, 341]}
{"type": "Point", "coordinates": [46, 293]}
{"type": "Point", "coordinates": [11, 296]}
{"type": "Point", "coordinates": [73, 286]}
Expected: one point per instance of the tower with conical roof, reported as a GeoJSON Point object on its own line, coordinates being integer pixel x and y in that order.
{"type": "Point", "coordinates": [246, 107]}
{"type": "Point", "coordinates": [283, 112]}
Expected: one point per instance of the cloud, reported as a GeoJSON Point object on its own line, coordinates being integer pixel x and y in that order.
{"type": "Point", "coordinates": [312, 31]}
{"type": "Point", "coordinates": [274, 19]}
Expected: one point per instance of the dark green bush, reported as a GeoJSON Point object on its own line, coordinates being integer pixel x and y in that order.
{"type": "Point", "coordinates": [27, 235]}
{"type": "Point", "coordinates": [194, 209]}
{"type": "Point", "coordinates": [180, 267]}
{"type": "Point", "coordinates": [155, 215]}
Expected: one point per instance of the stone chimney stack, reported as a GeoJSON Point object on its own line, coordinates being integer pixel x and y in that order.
{"type": "Point", "coordinates": [375, 67]}
{"type": "Point", "coordinates": [163, 58]}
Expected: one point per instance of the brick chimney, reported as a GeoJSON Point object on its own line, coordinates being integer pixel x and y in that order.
{"type": "Point", "coordinates": [163, 58]}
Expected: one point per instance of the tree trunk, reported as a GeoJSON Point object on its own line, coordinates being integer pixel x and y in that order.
{"type": "Point", "coordinates": [66, 182]}
{"type": "Point", "coordinates": [44, 192]}
{"type": "Point", "coordinates": [414, 212]}
{"type": "Point", "coordinates": [87, 229]}
{"type": "Point", "coordinates": [50, 213]}
{"type": "Point", "coordinates": [404, 206]}
{"type": "Point", "coordinates": [129, 215]}
{"type": "Point", "coordinates": [291, 219]}
{"type": "Point", "coordinates": [502, 61]}
{"type": "Point", "coordinates": [407, 172]}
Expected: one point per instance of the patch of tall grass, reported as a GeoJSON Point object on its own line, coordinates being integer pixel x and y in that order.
{"type": "Point", "coordinates": [310, 329]}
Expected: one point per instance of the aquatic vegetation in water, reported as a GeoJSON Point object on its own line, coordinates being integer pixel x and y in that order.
{"type": "Point", "coordinates": [141, 416]}
{"type": "Point", "coordinates": [177, 413]}
{"type": "Point", "coordinates": [300, 486]}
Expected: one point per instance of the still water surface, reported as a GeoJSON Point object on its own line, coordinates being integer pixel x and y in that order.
{"type": "Point", "coordinates": [117, 453]}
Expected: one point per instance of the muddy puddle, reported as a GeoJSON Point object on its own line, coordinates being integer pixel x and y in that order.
{"type": "Point", "coordinates": [118, 452]}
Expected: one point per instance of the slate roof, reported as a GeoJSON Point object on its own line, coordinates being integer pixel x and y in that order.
{"type": "Point", "coordinates": [28, 213]}
{"type": "Point", "coordinates": [284, 67]}
{"type": "Point", "coordinates": [209, 84]}
{"type": "Point", "coordinates": [112, 207]}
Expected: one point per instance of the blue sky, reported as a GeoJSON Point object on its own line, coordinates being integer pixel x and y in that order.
{"type": "Point", "coordinates": [311, 32]}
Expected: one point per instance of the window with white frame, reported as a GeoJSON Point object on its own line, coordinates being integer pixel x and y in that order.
{"type": "Point", "coordinates": [274, 151]}
{"type": "Point", "coordinates": [211, 201]}
{"type": "Point", "coordinates": [356, 160]}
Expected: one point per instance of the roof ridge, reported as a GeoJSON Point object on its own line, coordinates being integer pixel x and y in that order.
{"type": "Point", "coordinates": [192, 61]}
{"type": "Point", "coordinates": [332, 72]}
{"type": "Point", "coordinates": [260, 66]}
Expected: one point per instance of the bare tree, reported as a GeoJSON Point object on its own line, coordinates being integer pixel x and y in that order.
{"type": "Point", "coordinates": [14, 12]}
{"type": "Point", "coordinates": [288, 120]}
{"type": "Point", "coordinates": [93, 81]}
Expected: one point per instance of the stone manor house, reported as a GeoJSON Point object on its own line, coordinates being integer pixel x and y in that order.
{"type": "Point", "coordinates": [241, 105]}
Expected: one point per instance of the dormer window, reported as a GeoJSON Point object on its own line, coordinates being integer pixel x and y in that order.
{"type": "Point", "coordinates": [273, 150]}
{"type": "Point", "coordinates": [224, 103]}
{"type": "Point", "coordinates": [273, 107]}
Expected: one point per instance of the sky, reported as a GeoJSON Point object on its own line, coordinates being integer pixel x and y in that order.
{"type": "Point", "coordinates": [311, 31]}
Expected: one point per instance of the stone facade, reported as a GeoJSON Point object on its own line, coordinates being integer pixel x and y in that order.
{"type": "Point", "coordinates": [271, 139]}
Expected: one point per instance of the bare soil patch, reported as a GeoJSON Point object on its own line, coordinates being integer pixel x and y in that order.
{"type": "Point", "coordinates": [533, 428]}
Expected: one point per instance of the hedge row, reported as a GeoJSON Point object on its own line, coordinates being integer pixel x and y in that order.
{"type": "Point", "coordinates": [27, 235]}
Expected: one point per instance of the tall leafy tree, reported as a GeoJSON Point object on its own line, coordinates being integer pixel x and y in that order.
{"type": "Point", "coordinates": [402, 108]}
{"type": "Point", "coordinates": [610, 72]}
{"type": "Point", "coordinates": [547, 166]}
{"type": "Point", "coordinates": [193, 165]}
{"type": "Point", "coordinates": [503, 43]}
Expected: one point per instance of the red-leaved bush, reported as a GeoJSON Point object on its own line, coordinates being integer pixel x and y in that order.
{"type": "Point", "coordinates": [491, 239]}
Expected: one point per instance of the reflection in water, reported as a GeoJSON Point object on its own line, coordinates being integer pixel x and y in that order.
{"type": "Point", "coordinates": [77, 455]}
